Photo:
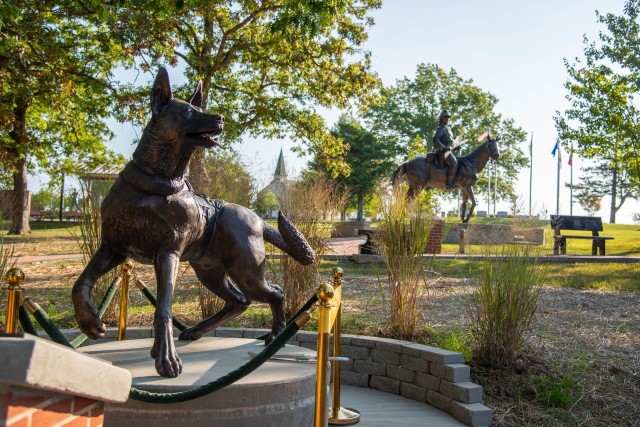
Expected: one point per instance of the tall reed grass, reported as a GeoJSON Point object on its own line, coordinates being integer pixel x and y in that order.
{"type": "Point", "coordinates": [89, 240]}
{"type": "Point", "coordinates": [502, 308]}
{"type": "Point", "coordinates": [308, 205]}
{"type": "Point", "coordinates": [401, 238]}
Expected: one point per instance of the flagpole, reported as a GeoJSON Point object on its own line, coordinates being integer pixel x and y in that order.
{"type": "Point", "coordinates": [558, 184]}
{"type": "Point", "coordinates": [571, 179]}
{"type": "Point", "coordinates": [495, 187]}
{"type": "Point", "coordinates": [530, 171]}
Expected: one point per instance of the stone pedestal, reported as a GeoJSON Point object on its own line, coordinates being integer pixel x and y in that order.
{"type": "Point", "coordinates": [279, 393]}
{"type": "Point", "coordinates": [46, 384]}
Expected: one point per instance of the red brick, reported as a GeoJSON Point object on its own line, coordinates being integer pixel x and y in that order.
{"type": "Point", "coordinates": [54, 413]}
{"type": "Point", "coordinates": [80, 403]}
{"type": "Point", "coordinates": [22, 422]}
{"type": "Point", "coordinates": [19, 404]}
{"type": "Point", "coordinates": [97, 416]}
{"type": "Point", "coordinates": [78, 422]}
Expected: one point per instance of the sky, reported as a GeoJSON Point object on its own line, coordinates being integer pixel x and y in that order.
{"type": "Point", "coordinates": [513, 49]}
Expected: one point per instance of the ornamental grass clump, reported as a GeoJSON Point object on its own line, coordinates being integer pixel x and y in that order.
{"type": "Point", "coordinates": [401, 238]}
{"type": "Point", "coordinates": [502, 308]}
{"type": "Point", "coordinates": [90, 238]}
{"type": "Point", "coordinates": [309, 205]}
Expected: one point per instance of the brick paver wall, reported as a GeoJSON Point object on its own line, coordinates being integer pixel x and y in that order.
{"type": "Point", "coordinates": [20, 408]}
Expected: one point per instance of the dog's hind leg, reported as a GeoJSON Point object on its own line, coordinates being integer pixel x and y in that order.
{"type": "Point", "coordinates": [86, 313]}
{"type": "Point", "coordinates": [168, 363]}
{"type": "Point", "coordinates": [249, 277]}
{"type": "Point", "coordinates": [215, 280]}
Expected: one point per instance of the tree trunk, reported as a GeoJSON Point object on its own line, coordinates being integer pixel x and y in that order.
{"type": "Point", "coordinates": [20, 211]}
{"type": "Point", "coordinates": [343, 214]}
{"type": "Point", "coordinates": [360, 207]}
{"type": "Point", "coordinates": [20, 208]}
{"type": "Point", "coordinates": [198, 176]}
{"type": "Point", "coordinates": [614, 195]}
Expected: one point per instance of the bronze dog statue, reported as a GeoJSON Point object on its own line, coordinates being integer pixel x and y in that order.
{"type": "Point", "coordinates": [152, 216]}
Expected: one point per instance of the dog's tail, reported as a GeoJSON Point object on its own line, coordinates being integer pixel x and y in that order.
{"type": "Point", "coordinates": [288, 239]}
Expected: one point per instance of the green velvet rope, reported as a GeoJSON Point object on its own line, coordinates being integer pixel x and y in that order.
{"type": "Point", "coordinates": [102, 308]}
{"type": "Point", "coordinates": [230, 378]}
{"type": "Point", "coordinates": [50, 328]}
{"type": "Point", "coordinates": [25, 321]}
{"type": "Point", "coordinates": [154, 302]}
{"type": "Point", "coordinates": [304, 308]}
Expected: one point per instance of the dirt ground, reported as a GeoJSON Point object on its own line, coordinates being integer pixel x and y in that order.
{"type": "Point", "coordinates": [584, 344]}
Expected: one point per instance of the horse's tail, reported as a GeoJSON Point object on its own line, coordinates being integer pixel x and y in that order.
{"type": "Point", "coordinates": [288, 239]}
{"type": "Point", "coordinates": [397, 175]}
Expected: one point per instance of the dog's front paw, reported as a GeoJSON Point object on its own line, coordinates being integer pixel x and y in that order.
{"type": "Point", "coordinates": [191, 334]}
{"type": "Point", "coordinates": [88, 321]}
{"type": "Point", "coordinates": [168, 363]}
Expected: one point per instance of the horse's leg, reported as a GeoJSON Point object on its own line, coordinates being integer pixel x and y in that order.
{"type": "Point", "coordinates": [463, 208]}
{"type": "Point", "coordinates": [413, 192]}
{"type": "Point", "coordinates": [168, 363]}
{"type": "Point", "coordinates": [215, 280]}
{"type": "Point", "coordinates": [473, 201]}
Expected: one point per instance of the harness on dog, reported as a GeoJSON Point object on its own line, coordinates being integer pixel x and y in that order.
{"type": "Point", "coordinates": [210, 209]}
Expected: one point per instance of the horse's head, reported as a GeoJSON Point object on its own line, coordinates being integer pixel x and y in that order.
{"type": "Point", "coordinates": [492, 146]}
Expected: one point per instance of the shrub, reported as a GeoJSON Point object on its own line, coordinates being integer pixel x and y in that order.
{"type": "Point", "coordinates": [402, 237]}
{"type": "Point", "coordinates": [501, 310]}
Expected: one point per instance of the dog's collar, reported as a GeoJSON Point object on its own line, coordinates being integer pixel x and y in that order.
{"type": "Point", "coordinates": [141, 180]}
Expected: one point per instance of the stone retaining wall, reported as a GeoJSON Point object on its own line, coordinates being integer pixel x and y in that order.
{"type": "Point", "coordinates": [415, 371]}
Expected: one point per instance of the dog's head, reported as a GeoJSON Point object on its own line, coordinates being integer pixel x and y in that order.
{"type": "Point", "coordinates": [183, 121]}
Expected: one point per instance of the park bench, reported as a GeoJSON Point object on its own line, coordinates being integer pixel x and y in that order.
{"type": "Point", "coordinates": [582, 223]}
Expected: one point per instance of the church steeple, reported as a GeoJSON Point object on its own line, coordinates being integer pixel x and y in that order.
{"type": "Point", "coordinates": [281, 170]}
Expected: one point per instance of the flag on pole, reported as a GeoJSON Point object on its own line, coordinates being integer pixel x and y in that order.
{"type": "Point", "coordinates": [559, 158]}
{"type": "Point", "coordinates": [483, 136]}
{"type": "Point", "coordinates": [555, 148]}
{"type": "Point", "coordinates": [531, 146]}
{"type": "Point", "coordinates": [570, 162]}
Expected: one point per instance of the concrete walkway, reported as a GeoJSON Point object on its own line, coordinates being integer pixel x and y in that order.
{"type": "Point", "coordinates": [379, 409]}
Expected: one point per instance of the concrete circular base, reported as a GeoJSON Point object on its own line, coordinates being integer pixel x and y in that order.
{"type": "Point", "coordinates": [279, 393]}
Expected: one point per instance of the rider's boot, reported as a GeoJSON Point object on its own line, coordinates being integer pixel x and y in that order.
{"type": "Point", "coordinates": [451, 176]}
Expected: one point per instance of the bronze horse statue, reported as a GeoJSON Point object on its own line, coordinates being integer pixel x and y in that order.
{"type": "Point", "coordinates": [422, 172]}
{"type": "Point", "coordinates": [152, 215]}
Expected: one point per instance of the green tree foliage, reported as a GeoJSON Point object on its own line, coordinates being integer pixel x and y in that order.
{"type": "Point", "coordinates": [603, 119]}
{"type": "Point", "coordinates": [409, 116]}
{"type": "Point", "coordinates": [55, 62]}
{"type": "Point", "coordinates": [266, 65]}
{"type": "Point", "coordinates": [368, 158]}
{"type": "Point", "coordinates": [229, 178]}
{"type": "Point", "coordinates": [597, 182]}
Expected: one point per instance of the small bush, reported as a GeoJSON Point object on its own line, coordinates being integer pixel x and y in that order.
{"type": "Point", "coordinates": [502, 308]}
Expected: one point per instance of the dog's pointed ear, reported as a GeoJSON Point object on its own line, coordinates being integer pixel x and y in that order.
{"type": "Point", "coordinates": [196, 98]}
{"type": "Point", "coordinates": [161, 91]}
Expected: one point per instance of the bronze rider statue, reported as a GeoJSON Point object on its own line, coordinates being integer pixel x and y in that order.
{"type": "Point", "coordinates": [444, 144]}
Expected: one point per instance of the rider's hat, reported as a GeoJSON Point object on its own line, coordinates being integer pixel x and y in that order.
{"type": "Point", "coordinates": [445, 113]}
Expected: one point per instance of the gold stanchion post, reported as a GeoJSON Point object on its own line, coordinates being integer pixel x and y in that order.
{"type": "Point", "coordinates": [337, 414]}
{"type": "Point", "coordinates": [325, 293]}
{"type": "Point", "coordinates": [14, 277]}
{"type": "Point", "coordinates": [124, 299]}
